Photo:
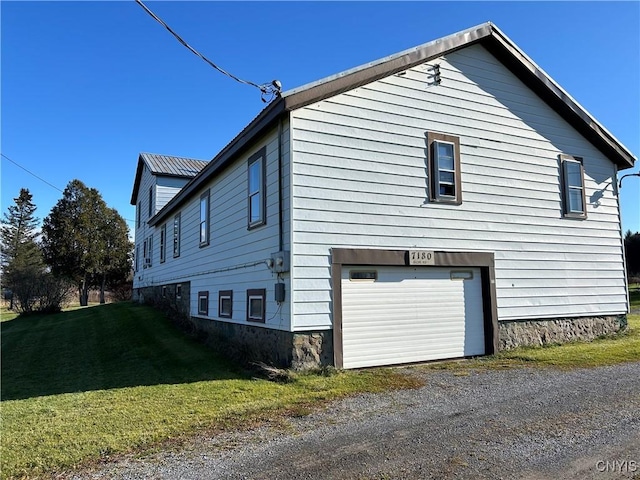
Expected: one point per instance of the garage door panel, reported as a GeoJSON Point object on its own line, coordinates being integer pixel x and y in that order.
{"type": "Point", "coordinates": [410, 314]}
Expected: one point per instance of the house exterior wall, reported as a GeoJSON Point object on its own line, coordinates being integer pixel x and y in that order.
{"type": "Point", "coordinates": [235, 258]}
{"type": "Point", "coordinates": [166, 188]}
{"type": "Point", "coordinates": [359, 180]}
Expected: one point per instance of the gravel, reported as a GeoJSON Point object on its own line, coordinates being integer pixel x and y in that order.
{"type": "Point", "coordinates": [487, 424]}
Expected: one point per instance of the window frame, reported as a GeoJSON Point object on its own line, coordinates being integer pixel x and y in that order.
{"type": "Point", "coordinates": [137, 257]}
{"type": "Point", "coordinates": [163, 243]}
{"type": "Point", "coordinates": [139, 214]}
{"type": "Point", "coordinates": [225, 294]}
{"type": "Point", "coordinates": [178, 291]}
{"type": "Point", "coordinates": [433, 139]}
{"type": "Point", "coordinates": [203, 295]}
{"type": "Point", "coordinates": [150, 201]}
{"type": "Point", "coordinates": [565, 160]}
{"type": "Point", "coordinates": [207, 199]}
{"type": "Point", "coordinates": [148, 248]}
{"type": "Point", "coordinates": [260, 156]}
{"type": "Point", "coordinates": [177, 220]}
{"type": "Point", "coordinates": [252, 294]}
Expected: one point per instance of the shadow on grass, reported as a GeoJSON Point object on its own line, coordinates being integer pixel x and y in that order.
{"type": "Point", "coordinates": [102, 347]}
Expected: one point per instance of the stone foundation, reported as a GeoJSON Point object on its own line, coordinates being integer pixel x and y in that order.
{"type": "Point", "coordinates": [560, 330]}
{"type": "Point", "coordinates": [247, 344]}
{"type": "Point", "coordinates": [165, 297]}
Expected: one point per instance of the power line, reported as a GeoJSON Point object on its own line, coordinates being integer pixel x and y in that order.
{"type": "Point", "coordinates": [268, 90]}
{"type": "Point", "coordinates": [42, 179]}
{"type": "Point", "coordinates": [31, 173]}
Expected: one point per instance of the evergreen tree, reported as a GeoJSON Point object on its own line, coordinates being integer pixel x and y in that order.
{"type": "Point", "coordinates": [83, 239]}
{"type": "Point", "coordinates": [21, 257]}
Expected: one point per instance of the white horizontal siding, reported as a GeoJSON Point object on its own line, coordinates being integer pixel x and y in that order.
{"type": "Point", "coordinates": [359, 179]}
{"type": "Point", "coordinates": [227, 263]}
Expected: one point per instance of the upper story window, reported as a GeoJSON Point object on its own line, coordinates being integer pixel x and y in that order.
{"type": "Point", "coordinates": [176, 235]}
{"type": "Point", "coordinates": [150, 202]}
{"type": "Point", "coordinates": [138, 212]}
{"type": "Point", "coordinates": [204, 219]}
{"type": "Point", "coordinates": [445, 184]}
{"type": "Point", "coordinates": [163, 243]}
{"type": "Point", "coordinates": [574, 198]}
{"type": "Point", "coordinates": [137, 257]}
{"type": "Point", "coordinates": [256, 201]}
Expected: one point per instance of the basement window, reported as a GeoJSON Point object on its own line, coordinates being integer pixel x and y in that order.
{"type": "Point", "coordinates": [225, 303]}
{"type": "Point", "coordinates": [203, 303]}
{"type": "Point", "coordinates": [256, 305]}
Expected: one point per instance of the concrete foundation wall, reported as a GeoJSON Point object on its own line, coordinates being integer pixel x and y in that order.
{"type": "Point", "coordinates": [249, 343]}
{"type": "Point", "coordinates": [561, 330]}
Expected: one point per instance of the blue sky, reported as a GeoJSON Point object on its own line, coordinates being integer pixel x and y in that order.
{"type": "Point", "coordinates": [86, 86]}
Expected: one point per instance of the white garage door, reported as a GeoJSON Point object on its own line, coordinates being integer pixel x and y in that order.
{"type": "Point", "coordinates": [393, 315]}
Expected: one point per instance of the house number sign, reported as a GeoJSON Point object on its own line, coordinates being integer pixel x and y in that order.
{"type": "Point", "coordinates": [421, 257]}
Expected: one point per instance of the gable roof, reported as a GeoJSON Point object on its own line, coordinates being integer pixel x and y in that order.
{"type": "Point", "coordinates": [486, 34]}
{"type": "Point", "coordinates": [166, 166]}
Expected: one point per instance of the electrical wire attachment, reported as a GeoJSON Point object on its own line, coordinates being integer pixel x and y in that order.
{"type": "Point", "coordinates": [268, 91]}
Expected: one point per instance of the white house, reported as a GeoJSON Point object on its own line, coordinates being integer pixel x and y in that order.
{"type": "Point", "coordinates": [446, 201]}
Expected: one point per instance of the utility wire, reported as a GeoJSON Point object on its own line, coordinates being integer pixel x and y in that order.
{"type": "Point", "coordinates": [267, 89]}
{"type": "Point", "coordinates": [42, 179]}
{"type": "Point", "coordinates": [30, 172]}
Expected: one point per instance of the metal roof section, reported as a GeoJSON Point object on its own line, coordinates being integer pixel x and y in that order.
{"type": "Point", "coordinates": [486, 34]}
{"type": "Point", "coordinates": [173, 166]}
{"type": "Point", "coordinates": [166, 165]}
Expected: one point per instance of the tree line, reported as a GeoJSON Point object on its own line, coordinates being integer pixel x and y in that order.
{"type": "Point", "coordinates": [82, 244]}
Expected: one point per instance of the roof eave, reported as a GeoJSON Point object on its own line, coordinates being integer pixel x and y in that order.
{"type": "Point", "coordinates": [499, 45]}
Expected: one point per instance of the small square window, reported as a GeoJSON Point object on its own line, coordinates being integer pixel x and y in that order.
{"type": "Point", "coordinates": [256, 305]}
{"type": "Point", "coordinates": [573, 191]}
{"type": "Point", "coordinates": [179, 291]}
{"type": "Point", "coordinates": [443, 165]}
{"type": "Point", "coordinates": [225, 303]}
{"type": "Point", "coordinates": [203, 303]}
{"type": "Point", "coordinates": [164, 291]}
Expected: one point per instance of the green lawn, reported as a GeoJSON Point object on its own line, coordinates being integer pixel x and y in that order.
{"type": "Point", "coordinates": [92, 382]}
{"type": "Point", "coordinates": [624, 347]}
{"type": "Point", "coordinates": [88, 383]}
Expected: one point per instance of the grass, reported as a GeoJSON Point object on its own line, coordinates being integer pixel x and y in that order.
{"type": "Point", "coordinates": [86, 384]}
{"type": "Point", "coordinates": [623, 347]}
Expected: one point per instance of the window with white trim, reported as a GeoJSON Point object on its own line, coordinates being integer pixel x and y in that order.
{"type": "Point", "coordinates": [225, 303]}
{"type": "Point", "coordinates": [163, 243]}
{"type": "Point", "coordinates": [137, 257]}
{"type": "Point", "coordinates": [256, 186]}
{"type": "Point", "coordinates": [573, 193]}
{"type": "Point", "coordinates": [176, 235]}
{"type": "Point", "coordinates": [204, 219]}
{"type": "Point", "coordinates": [203, 303]}
{"type": "Point", "coordinates": [256, 299]}
{"type": "Point", "coordinates": [445, 184]}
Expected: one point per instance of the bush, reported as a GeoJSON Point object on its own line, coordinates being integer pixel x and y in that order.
{"type": "Point", "coordinates": [36, 291]}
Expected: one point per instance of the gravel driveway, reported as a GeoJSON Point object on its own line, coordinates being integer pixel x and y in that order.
{"type": "Point", "coordinates": [518, 423]}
